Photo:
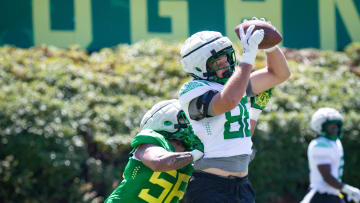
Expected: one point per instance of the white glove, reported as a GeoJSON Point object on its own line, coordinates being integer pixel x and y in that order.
{"type": "Point", "coordinates": [352, 192]}
{"type": "Point", "coordinates": [196, 154]}
{"type": "Point", "coordinates": [250, 43]}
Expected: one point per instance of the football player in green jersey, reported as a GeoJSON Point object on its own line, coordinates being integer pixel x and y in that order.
{"type": "Point", "coordinates": [160, 164]}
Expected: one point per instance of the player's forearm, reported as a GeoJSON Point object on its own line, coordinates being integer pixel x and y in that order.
{"type": "Point", "coordinates": [233, 91]}
{"type": "Point", "coordinates": [277, 64]}
{"type": "Point", "coordinates": [252, 126]}
{"type": "Point", "coordinates": [236, 86]}
{"type": "Point", "coordinates": [173, 161]}
{"type": "Point", "coordinates": [332, 181]}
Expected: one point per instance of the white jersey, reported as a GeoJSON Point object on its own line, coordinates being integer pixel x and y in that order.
{"type": "Point", "coordinates": [230, 131]}
{"type": "Point", "coordinates": [325, 151]}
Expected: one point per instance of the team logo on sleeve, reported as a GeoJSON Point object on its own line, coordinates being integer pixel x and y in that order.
{"type": "Point", "coordinates": [192, 85]}
{"type": "Point", "coordinates": [262, 99]}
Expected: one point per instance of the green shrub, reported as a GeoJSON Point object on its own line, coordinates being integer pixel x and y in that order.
{"type": "Point", "coordinates": [68, 117]}
{"type": "Point", "coordinates": [353, 52]}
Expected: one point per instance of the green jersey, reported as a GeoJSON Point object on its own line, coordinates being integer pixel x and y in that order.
{"type": "Point", "coordinates": [142, 184]}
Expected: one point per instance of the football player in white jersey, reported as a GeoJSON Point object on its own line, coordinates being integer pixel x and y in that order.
{"type": "Point", "coordinates": [216, 103]}
{"type": "Point", "coordinates": [326, 160]}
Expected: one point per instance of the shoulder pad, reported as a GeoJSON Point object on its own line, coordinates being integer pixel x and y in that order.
{"type": "Point", "coordinates": [322, 143]}
{"type": "Point", "coordinates": [148, 136]}
{"type": "Point", "coordinates": [192, 85]}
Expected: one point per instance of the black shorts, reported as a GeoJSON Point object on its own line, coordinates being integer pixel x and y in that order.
{"type": "Point", "coordinates": [323, 198]}
{"type": "Point", "coordinates": [210, 188]}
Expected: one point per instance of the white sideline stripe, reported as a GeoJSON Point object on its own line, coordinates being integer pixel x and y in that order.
{"type": "Point", "coordinates": [308, 196]}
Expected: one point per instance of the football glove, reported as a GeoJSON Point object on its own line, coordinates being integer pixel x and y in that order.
{"type": "Point", "coordinates": [352, 192]}
{"type": "Point", "coordinates": [197, 144]}
{"type": "Point", "coordinates": [196, 154]}
{"type": "Point", "coordinates": [197, 148]}
{"type": "Point", "coordinates": [250, 43]}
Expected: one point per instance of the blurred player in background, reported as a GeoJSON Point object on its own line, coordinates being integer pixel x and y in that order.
{"type": "Point", "coordinates": [159, 169]}
{"type": "Point", "coordinates": [216, 103]}
{"type": "Point", "coordinates": [326, 160]}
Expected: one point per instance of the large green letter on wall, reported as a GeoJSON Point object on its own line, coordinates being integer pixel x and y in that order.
{"type": "Point", "coordinates": [43, 34]}
{"type": "Point", "coordinates": [176, 10]}
{"type": "Point", "coordinates": [327, 23]}
{"type": "Point", "coordinates": [237, 10]}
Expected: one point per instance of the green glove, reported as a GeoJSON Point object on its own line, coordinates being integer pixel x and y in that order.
{"type": "Point", "coordinates": [197, 144]}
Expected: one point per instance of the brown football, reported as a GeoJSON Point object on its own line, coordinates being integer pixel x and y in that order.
{"type": "Point", "coordinates": [272, 37]}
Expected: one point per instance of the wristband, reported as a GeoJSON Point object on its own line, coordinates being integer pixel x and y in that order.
{"type": "Point", "coordinates": [271, 49]}
{"type": "Point", "coordinates": [254, 113]}
{"type": "Point", "coordinates": [248, 57]}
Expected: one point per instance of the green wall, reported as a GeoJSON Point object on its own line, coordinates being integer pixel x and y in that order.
{"type": "Point", "coordinates": [323, 24]}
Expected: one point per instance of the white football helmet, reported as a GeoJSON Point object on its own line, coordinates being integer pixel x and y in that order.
{"type": "Point", "coordinates": [201, 46]}
{"type": "Point", "coordinates": [324, 115]}
{"type": "Point", "coordinates": [162, 116]}
{"type": "Point", "coordinates": [167, 118]}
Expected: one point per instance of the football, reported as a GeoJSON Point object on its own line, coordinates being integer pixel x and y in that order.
{"type": "Point", "coordinates": [272, 36]}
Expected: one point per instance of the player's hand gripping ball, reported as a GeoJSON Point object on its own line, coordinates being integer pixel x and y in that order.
{"type": "Point", "coordinates": [272, 36]}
